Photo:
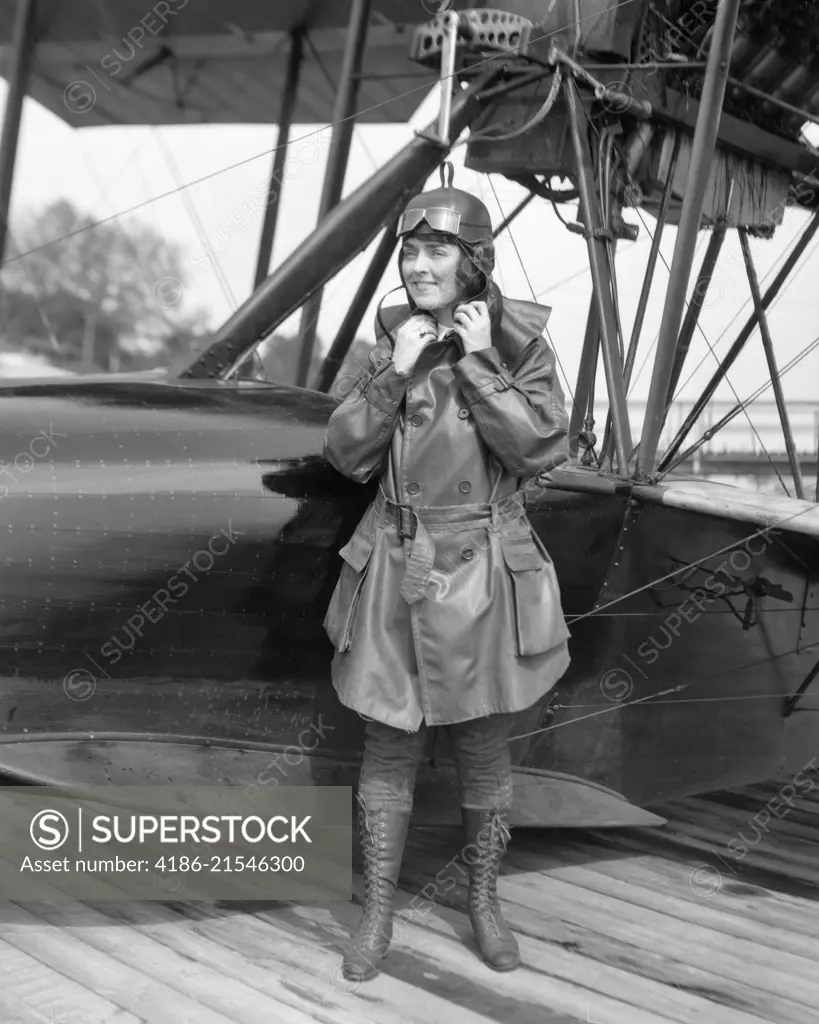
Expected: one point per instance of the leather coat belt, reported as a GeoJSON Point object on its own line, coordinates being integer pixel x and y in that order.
{"type": "Point", "coordinates": [417, 522]}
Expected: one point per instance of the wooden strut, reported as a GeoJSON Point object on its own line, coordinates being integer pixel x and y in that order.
{"type": "Point", "coordinates": [347, 230]}
{"type": "Point", "coordinates": [600, 271]}
{"type": "Point", "coordinates": [731, 355]}
{"type": "Point", "coordinates": [703, 283]}
{"type": "Point", "coordinates": [343, 127]}
{"type": "Point", "coordinates": [702, 152]}
{"type": "Point", "coordinates": [583, 405]}
{"type": "Point", "coordinates": [508, 220]}
{"type": "Point", "coordinates": [645, 291]}
{"type": "Point", "coordinates": [274, 192]}
{"type": "Point", "coordinates": [358, 307]}
{"type": "Point", "coordinates": [776, 382]}
{"type": "Point", "coordinates": [23, 38]}
{"type": "Point", "coordinates": [816, 491]}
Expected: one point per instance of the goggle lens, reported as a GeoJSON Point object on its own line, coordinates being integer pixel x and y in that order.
{"type": "Point", "coordinates": [439, 219]}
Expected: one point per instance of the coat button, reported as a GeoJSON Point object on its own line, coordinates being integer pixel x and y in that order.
{"type": "Point", "coordinates": [467, 554]}
{"type": "Point", "coordinates": [413, 488]}
{"type": "Point", "coordinates": [464, 486]}
{"type": "Point", "coordinates": [416, 420]}
{"type": "Point", "coordinates": [463, 413]}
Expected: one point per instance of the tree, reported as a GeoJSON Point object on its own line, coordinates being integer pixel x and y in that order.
{"type": "Point", "coordinates": [96, 297]}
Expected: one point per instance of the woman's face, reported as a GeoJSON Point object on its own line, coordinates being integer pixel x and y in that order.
{"type": "Point", "coordinates": [434, 272]}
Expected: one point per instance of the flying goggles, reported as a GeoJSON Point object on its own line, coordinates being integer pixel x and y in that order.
{"type": "Point", "coordinates": [438, 218]}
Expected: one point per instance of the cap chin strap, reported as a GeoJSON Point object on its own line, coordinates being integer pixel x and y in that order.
{"type": "Point", "coordinates": [483, 290]}
{"type": "Point", "coordinates": [378, 317]}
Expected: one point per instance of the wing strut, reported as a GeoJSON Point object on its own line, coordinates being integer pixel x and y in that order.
{"type": "Point", "coordinates": [274, 192]}
{"type": "Point", "coordinates": [346, 230]}
{"type": "Point", "coordinates": [731, 355]}
{"type": "Point", "coordinates": [776, 382]}
{"type": "Point", "coordinates": [343, 127]}
{"type": "Point", "coordinates": [702, 153]}
{"type": "Point", "coordinates": [25, 27]}
{"type": "Point", "coordinates": [595, 234]}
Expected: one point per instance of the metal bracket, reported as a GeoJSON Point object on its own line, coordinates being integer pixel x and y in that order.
{"type": "Point", "coordinates": [577, 227]}
{"type": "Point", "coordinates": [602, 92]}
{"type": "Point", "coordinates": [484, 31]}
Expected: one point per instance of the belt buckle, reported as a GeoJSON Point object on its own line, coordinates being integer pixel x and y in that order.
{"type": "Point", "coordinates": [406, 522]}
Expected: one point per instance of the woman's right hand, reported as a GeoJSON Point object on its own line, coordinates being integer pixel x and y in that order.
{"type": "Point", "coordinates": [412, 337]}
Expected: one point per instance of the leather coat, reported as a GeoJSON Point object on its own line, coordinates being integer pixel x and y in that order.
{"type": "Point", "coordinates": [448, 607]}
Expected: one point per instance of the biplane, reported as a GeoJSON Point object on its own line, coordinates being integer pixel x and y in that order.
{"type": "Point", "coordinates": [169, 542]}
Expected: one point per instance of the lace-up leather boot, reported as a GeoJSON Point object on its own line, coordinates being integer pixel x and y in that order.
{"type": "Point", "coordinates": [487, 834]}
{"type": "Point", "coordinates": [383, 834]}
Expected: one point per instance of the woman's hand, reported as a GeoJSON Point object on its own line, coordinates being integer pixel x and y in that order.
{"type": "Point", "coordinates": [472, 323]}
{"type": "Point", "coordinates": [412, 337]}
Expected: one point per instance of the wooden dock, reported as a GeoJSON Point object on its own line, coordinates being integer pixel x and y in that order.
{"type": "Point", "coordinates": [632, 926]}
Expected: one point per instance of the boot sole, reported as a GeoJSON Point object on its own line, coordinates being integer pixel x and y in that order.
{"type": "Point", "coordinates": [355, 973]}
{"type": "Point", "coordinates": [496, 967]}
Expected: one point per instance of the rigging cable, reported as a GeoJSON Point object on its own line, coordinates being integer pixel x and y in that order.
{"type": "Point", "coordinates": [532, 290]}
{"type": "Point", "coordinates": [132, 161]}
{"type": "Point", "coordinates": [730, 385]}
{"type": "Point", "coordinates": [778, 263]}
{"type": "Point", "coordinates": [806, 351]}
{"type": "Point", "coordinates": [199, 227]}
{"type": "Point", "coordinates": [268, 152]}
{"type": "Point", "coordinates": [708, 343]}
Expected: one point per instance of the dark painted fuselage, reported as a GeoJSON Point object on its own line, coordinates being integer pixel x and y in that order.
{"type": "Point", "coordinates": [169, 550]}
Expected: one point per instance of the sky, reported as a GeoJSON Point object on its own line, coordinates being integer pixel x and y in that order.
{"type": "Point", "coordinates": [106, 171]}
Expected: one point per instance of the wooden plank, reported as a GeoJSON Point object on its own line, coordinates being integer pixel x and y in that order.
{"type": "Point", "coordinates": [680, 849]}
{"type": "Point", "coordinates": [565, 864]}
{"type": "Point", "coordinates": [32, 992]}
{"type": "Point", "coordinates": [806, 818]}
{"type": "Point", "coordinates": [14, 1011]}
{"type": "Point", "coordinates": [181, 974]}
{"type": "Point", "coordinates": [534, 900]}
{"type": "Point", "coordinates": [763, 908]}
{"type": "Point", "coordinates": [309, 959]}
{"type": "Point", "coordinates": [124, 985]}
{"type": "Point", "coordinates": [548, 977]}
{"type": "Point", "coordinates": [786, 838]}
{"type": "Point", "coordinates": [768, 855]}
{"type": "Point", "coordinates": [806, 803]}
{"type": "Point", "coordinates": [254, 963]}
{"type": "Point", "coordinates": [566, 963]}
{"type": "Point", "coordinates": [762, 871]}
{"type": "Point", "coordinates": [544, 960]}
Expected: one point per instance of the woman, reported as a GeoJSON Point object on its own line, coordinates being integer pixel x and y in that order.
{"type": "Point", "coordinates": [447, 611]}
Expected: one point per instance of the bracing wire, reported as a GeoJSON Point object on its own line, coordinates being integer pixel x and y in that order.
{"type": "Point", "coordinates": [270, 151]}
{"type": "Point", "coordinates": [196, 220]}
{"type": "Point", "coordinates": [708, 343]}
{"type": "Point", "coordinates": [806, 351]}
{"type": "Point", "coordinates": [531, 289]}
{"type": "Point", "coordinates": [794, 274]}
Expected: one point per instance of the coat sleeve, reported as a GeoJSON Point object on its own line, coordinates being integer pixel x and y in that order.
{"type": "Point", "coordinates": [520, 415]}
{"type": "Point", "coordinates": [360, 429]}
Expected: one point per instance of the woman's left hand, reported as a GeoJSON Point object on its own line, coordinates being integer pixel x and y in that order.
{"type": "Point", "coordinates": [472, 323]}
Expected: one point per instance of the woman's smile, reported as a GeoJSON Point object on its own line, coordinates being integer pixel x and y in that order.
{"type": "Point", "coordinates": [442, 261]}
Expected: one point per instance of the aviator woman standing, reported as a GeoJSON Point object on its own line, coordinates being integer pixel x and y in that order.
{"type": "Point", "coordinates": [447, 611]}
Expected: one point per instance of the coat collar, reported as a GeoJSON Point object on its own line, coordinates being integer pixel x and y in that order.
{"type": "Point", "coordinates": [514, 322]}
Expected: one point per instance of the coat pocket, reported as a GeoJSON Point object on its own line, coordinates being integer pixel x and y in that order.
{"type": "Point", "coordinates": [539, 621]}
{"type": "Point", "coordinates": [339, 622]}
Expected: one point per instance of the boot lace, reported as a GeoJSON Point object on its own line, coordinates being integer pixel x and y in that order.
{"type": "Point", "coordinates": [377, 889]}
{"type": "Point", "coordinates": [492, 841]}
